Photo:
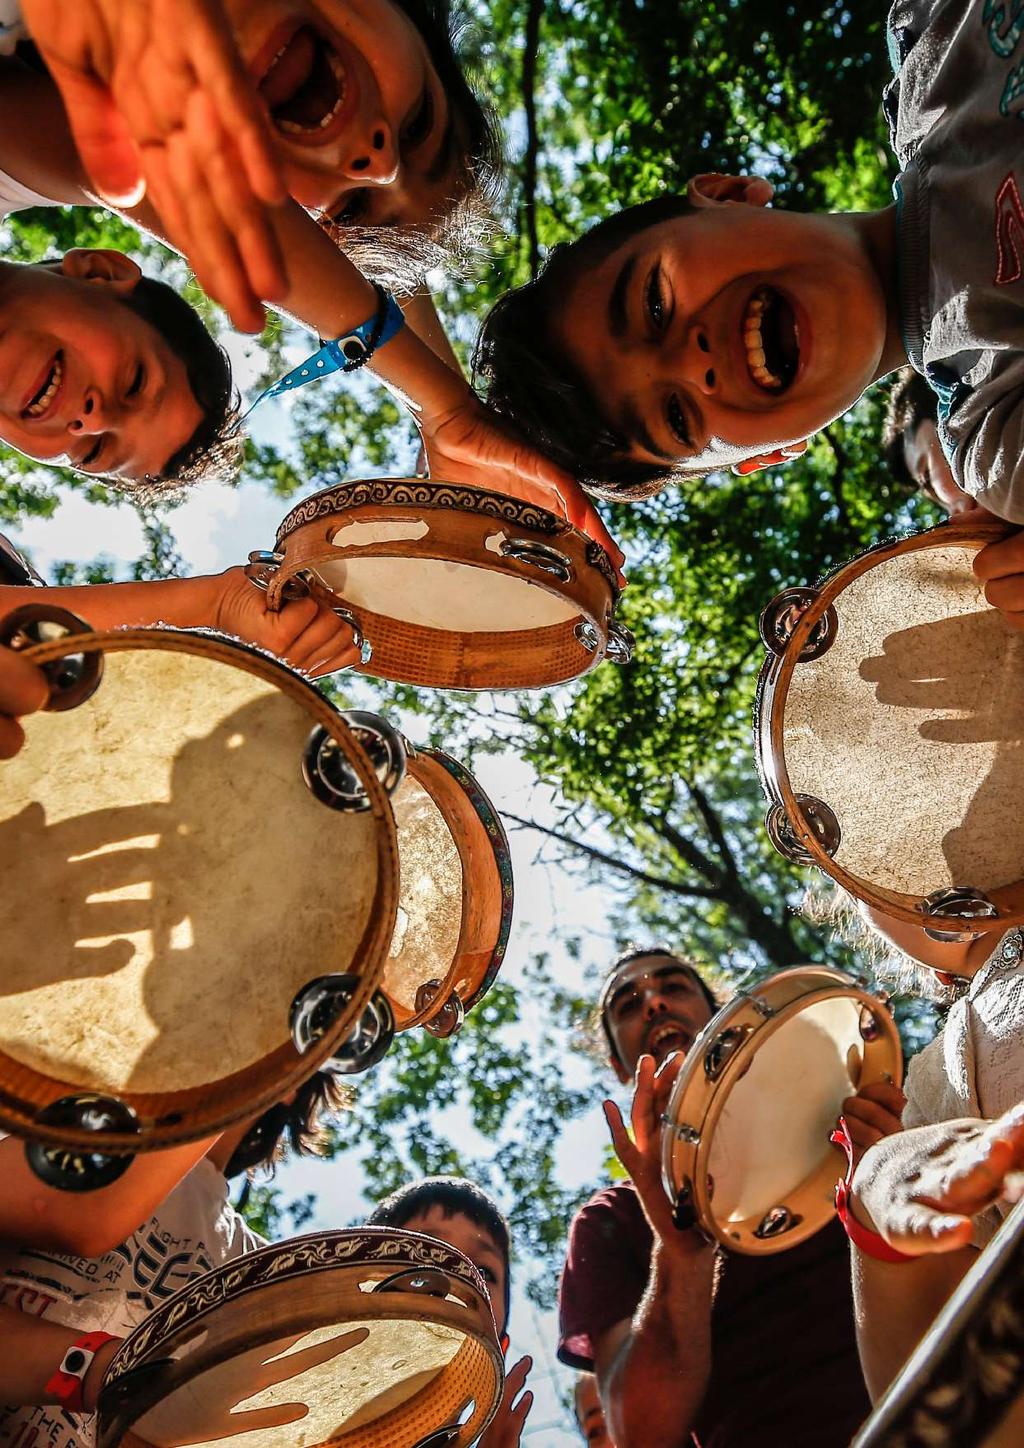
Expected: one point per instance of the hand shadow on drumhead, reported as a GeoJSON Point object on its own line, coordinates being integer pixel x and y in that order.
{"type": "Point", "coordinates": [971, 665]}
{"type": "Point", "coordinates": [275, 1370]}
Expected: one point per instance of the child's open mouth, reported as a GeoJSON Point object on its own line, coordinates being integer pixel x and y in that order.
{"type": "Point", "coordinates": [46, 393]}
{"type": "Point", "coordinates": [304, 87]}
{"type": "Point", "coordinates": [771, 340]}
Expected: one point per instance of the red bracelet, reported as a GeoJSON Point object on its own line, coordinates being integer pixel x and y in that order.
{"type": "Point", "coordinates": [68, 1381]}
{"type": "Point", "coordinates": [872, 1244]}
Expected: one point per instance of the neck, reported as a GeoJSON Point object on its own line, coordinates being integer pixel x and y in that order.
{"type": "Point", "coordinates": [223, 1148]}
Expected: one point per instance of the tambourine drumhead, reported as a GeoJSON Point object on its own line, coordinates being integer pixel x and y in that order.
{"type": "Point", "coordinates": [964, 1382]}
{"type": "Point", "coordinates": [453, 586]}
{"type": "Point", "coordinates": [908, 727]}
{"type": "Point", "coordinates": [300, 1344]}
{"type": "Point", "coordinates": [172, 883]}
{"type": "Point", "coordinates": [746, 1135]}
{"type": "Point", "coordinates": [455, 898]}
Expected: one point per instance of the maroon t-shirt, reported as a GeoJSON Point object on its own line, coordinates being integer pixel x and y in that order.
{"type": "Point", "coordinates": [784, 1366]}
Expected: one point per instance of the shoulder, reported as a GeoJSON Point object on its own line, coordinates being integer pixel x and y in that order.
{"type": "Point", "coordinates": [612, 1215]}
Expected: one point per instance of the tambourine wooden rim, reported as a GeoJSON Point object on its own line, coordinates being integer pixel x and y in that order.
{"type": "Point", "coordinates": [702, 1088]}
{"type": "Point", "coordinates": [420, 654]}
{"type": "Point", "coordinates": [172, 1117]}
{"type": "Point", "coordinates": [968, 1369]}
{"type": "Point", "coordinates": [488, 891]}
{"type": "Point", "coordinates": [364, 1251]}
{"type": "Point", "coordinates": [769, 723]}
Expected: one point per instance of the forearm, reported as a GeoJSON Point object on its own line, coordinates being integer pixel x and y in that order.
{"type": "Point", "coordinates": [178, 602]}
{"type": "Point", "coordinates": [895, 1303]}
{"type": "Point", "coordinates": [31, 1350]}
{"type": "Point", "coordinates": [659, 1377]}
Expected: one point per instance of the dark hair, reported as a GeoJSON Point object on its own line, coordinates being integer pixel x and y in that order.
{"type": "Point", "coordinates": [263, 1145]}
{"type": "Point", "coordinates": [531, 381]}
{"type": "Point", "coordinates": [456, 1197]}
{"type": "Point", "coordinates": [400, 257]}
{"type": "Point", "coordinates": [911, 402]}
{"type": "Point", "coordinates": [214, 449]}
{"type": "Point", "coordinates": [640, 952]}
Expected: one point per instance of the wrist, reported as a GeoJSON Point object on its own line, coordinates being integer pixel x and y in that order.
{"type": "Point", "coordinates": [67, 1385]}
{"type": "Point", "coordinates": [431, 389]}
{"type": "Point", "coordinates": [93, 1381]}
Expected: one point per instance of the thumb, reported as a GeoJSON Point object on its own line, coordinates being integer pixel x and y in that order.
{"type": "Point", "coordinates": [102, 138]}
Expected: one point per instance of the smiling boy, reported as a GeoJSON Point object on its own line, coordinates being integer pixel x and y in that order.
{"type": "Point", "coordinates": [704, 332]}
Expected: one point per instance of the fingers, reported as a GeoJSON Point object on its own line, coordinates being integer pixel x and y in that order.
{"type": "Point", "coordinates": [12, 737]}
{"type": "Point", "coordinates": [23, 690]}
{"type": "Point", "coordinates": [998, 560]}
{"type": "Point", "coordinates": [874, 1112]}
{"type": "Point", "coordinates": [918, 1230]}
{"type": "Point", "coordinates": [624, 1148]}
{"type": "Point", "coordinates": [323, 644]}
{"type": "Point", "coordinates": [102, 137]}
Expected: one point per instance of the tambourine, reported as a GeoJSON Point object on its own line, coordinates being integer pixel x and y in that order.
{"type": "Point", "coordinates": [450, 586]}
{"type": "Point", "coordinates": [745, 1142]}
{"type": "Point", "coordinates": [370, 1338]}
{"type": "Point", "coordinates": [888, 725]}
{"type": "Point", "coordinates": [963, 1386]}
{"type": "Point", "coordinates": [455, 894]}
{"type": "Point", "coordinates": [198, 895]}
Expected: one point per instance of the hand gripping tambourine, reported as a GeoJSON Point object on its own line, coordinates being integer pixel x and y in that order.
{"type": "Point", "coordinates": [369, 1338]}
{"type": "Point", "coordinates": [455, 896]}
{"type": "Point", "coordinates": [199, 889]}
{"type": "Point", "coordinates": [745, 1144]}
{"type": "Point", "coordinates": [450, 586]}
{"type": "Point", "coordinates": [963, 1386]}
{"type": "Point", "coordinates": [889, 727]}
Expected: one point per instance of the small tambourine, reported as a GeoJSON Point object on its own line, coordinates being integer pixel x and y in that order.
{"type": "Point", "coordinates": [450, 586]}
{"type": "Point", "coordinates": [888, 730]}
{"type": "Point", "coordinates": [369, 1338]}
{"type": "Point", "coordinates": [963, 1386]}
{"type": "Point", "coordinates": [746, 1154]}
{"type": "Point", "coordinates": [199, 891]}
{"type": "Point", "coordinates": [455, 896]}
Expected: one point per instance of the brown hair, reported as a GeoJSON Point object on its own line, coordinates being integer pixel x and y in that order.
{"type": "Point", "coordinates": [298, 1127]}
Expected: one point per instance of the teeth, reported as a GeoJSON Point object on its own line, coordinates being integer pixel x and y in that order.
{"type": "Point", "coordinates": [752, 341]}
{"type": "Point", "coordinates": [42, 400]}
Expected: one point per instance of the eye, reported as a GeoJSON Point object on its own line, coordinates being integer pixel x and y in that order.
{"type": "Point", "coordinates": [138, 381]}
{"type": "Point", "coordinates": [93, 452]}
{"type": "Point", "coordinates": [487, 1274]}
{"type": "Point", "coordinates": [419, 127]}
{"type": "Point", "coordinates": [677, 422]}
{"type": "Point", "coordinates": [657, 311]}
{"type": "Point", "coordinates": [627, 1004]}
{"type": "Point", "coordinates": [351, 209]}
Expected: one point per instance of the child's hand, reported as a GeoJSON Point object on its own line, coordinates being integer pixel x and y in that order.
{"type": "Point", "coordinates": [470, 445]}
{"type": "Point", "coordinates": [23, 690]}
{"type": "Point", "coordinates": [506, 1427]}
{"type": "Point", "coordinates": [1000, 566]}
{"type": "Point", "coordinates": [304, 633]}
{"type": "Point", "coordinates": [920, 1188]}
{"type": "Point", "coordinates": [159, 102]}
{"type": "Point", "coordinates": [873, 1113]}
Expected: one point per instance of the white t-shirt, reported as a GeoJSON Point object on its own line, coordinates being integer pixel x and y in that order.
{"type": "Point", "coordinates": [12, 26]}
{"type": "Point", "coordinates": [195, 1229]}
{"type": "Point", "coordinates": [16, 197]}
{"type": "Point", "coordinates": [975, 1065]}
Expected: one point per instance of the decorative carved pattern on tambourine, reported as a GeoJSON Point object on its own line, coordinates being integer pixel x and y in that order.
{"type": "Point", "coordinates": [364, 1248]}
{"type": "Point", "coordinates": [491, 822]}
{"type": "Point", "coordinates": [975, 1363]}
{"type": "Point", "coordinates": [381, 492]}
{"type": "Point", "coordinates": [598, 558]}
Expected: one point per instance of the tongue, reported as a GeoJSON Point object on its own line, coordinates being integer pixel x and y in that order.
{"type": "Point", "coordinates": [291, 70]}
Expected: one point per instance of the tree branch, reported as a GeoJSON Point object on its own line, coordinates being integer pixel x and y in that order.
{"type": "Point", "coordinates": [713, 825]}
{"type": "Point", "coordinates": [660, 882]}
{"type": "Point", "coordinates": [530, 48]}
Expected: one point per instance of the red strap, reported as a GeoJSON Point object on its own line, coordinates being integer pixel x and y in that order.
{"type": "Point", "coordinates": [863, 1238]}
{"type": "Point", "coordinates": [67, 1385]}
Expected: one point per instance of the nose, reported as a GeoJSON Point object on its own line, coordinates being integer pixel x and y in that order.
{"type": "Point", "coordinates": [375, 160]}
{"type": "Point", "coordinates": [696, 361]}
{"type": "Point", "coordinates": [93, 416]}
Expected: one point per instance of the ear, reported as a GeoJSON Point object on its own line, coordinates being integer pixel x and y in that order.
{"type": "Point", "coordinates": [110, 268]}
{"type": "Point", "coordinates": [713, 189]}
{"type": "Point", "coordinates": [770, 459]}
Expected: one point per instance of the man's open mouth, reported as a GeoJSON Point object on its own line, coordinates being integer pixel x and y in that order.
{"type": "Point", "coordinates": [304, 85]}
{"type": "Point", "coordinates": [45, 395]}
{"type": "Point", "coordinates": [666, 1038]}
{"type": "Point", "coordinates": [771, 340]}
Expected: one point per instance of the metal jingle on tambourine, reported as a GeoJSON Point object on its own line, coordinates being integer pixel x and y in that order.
{"type": "Point", "coordinates": [427, 1281]}
{"type": "Point", "coordinates": [684, 1211]}
{"type": "Point", "coordinates": [262, 566]}
{"type": "Point", "coordinates": [369, 1040]}
{"type": "Point", "coordinates": [449, 1019]}
{"type": "Point", "coordinates": [775, 1222]}
{"type": "Point", "coordinates": [781, 617]}
{"type": "Point", "coordinates": [817, 817]}
{"type": "Point", "coordinates": [586, 634]}
{"type": "Point", "coordinates": [359, 639]}
{"type": "Point", "coordinates": [621, 643]}
{"type": "Point", "coordinates": [538, 555]}
{"type": "Point", "coordinates": [963, 902]}
{"type": "Point", "coordinates": [443, 1438]}
{"type": "Point", "coordinates": [73, 678]}
{"type": "Point", "coordinates": [74, 1168]}
{"type": "Point", "coordinates": [383, 744]}
{"type": "Point", "coordinates": [317, 1006]}
{"type": "Point", "coordinates": [723, 1046]}
{"type": "Point", "coordinates": [333, 779]}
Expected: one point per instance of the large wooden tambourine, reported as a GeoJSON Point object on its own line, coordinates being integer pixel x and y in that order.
{"type": "Point", "coordinates": [450, 586]}
{"type": "Point", "coordinates": [888, 729]}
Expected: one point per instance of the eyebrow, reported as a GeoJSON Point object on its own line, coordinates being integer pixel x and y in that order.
{"type": "Point", "coordinates": [659, 974]}
{"type": "Point", "coordinates": [617, 298]}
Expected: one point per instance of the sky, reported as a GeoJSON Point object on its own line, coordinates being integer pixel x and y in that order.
{"type": "Point", "coordinates": [218, 527]}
